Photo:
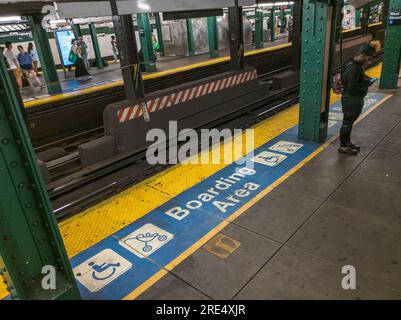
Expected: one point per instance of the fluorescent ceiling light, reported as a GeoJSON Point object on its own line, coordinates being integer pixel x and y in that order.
{"type": "Point", "coordinates": [275, 4]}
{"type": "Point", "coordinates": [10, 19]}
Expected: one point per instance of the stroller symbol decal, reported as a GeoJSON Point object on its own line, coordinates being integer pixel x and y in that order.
{"type": "Point", "coordinates": [148, 237]}
{"type": "Point", "coordinates": [286, 147]}
{"type": "Point", "coordinates": [269, 158]}
{"type": "Point", "coordinates": [146, 240]}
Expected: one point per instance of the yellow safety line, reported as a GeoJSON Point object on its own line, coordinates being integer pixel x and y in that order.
{"type": "Point", "coordinates": [63, 96]}
{"type": "Point", "coordinates": [350, 30]}
{"type": "Point", "coordinates": [375, 24]}
{"type": "Point", "coordinates": [160, 274]}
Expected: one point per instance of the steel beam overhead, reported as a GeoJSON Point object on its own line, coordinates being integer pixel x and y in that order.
{"type": "Point", "coordinates": [103, 8]}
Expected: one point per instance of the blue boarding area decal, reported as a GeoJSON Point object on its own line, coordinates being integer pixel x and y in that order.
{"type": "Point", "coordinates": [117, 265]}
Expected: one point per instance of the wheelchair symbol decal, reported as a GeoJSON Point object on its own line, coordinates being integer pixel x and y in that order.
{"type": "Point", "coordinates": [101, 269]}
{"type": "Point", "coordinates": [146, 240]}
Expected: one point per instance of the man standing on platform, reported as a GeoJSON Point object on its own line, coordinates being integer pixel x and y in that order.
{"type": "Point", "coordinates": [84, 52]}
{"type": "Point", "coordinates": [355, 87]}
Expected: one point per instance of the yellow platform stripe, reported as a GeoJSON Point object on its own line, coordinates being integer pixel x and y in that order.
{"type": "Point", "coordinates": [350, 30]}
{"type": "Point", "coordinates": [63, 96]}
{"type": "Point", "coordinates": [375, 72]}
{"type": "Point", "coordinates": [375, 24]}
{"type": "Point", "coordinates": [93, 225]}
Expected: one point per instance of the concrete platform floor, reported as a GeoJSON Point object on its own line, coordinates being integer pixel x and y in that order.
{"type": "Point", "coordinates": [337, 210]}
{"type": "Point", "coordinates": [112, 72]}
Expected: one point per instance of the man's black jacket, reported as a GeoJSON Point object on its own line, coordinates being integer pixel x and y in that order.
{"type": "Point", "coordinates": [354, 80]}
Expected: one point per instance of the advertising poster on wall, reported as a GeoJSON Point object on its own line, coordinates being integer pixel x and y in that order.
{"type": "Point", "coordinates": [63, 39]}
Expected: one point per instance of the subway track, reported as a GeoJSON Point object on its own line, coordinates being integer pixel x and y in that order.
{"type": "Point", "coordinates": [78, 119]}
{"type": "Point", "coordinates": [115, 175]}
{"type": "Point", "coordinates": [54, 123]}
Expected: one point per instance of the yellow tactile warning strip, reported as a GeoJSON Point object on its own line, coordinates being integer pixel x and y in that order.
{"type": "Point", "coordinates": [93, 225]}
{"type": "Point", "coordinates": [117, 83]}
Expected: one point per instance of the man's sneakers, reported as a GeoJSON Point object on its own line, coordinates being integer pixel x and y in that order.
{"type": "Point", "coordinates": [354, 146]}
{"type": "Point", "coordinates": [350, 149]}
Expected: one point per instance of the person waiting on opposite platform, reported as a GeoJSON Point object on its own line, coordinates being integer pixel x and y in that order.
{"type": "Point", "coordinates": [356, 85]}
{"type": "Point", "coordinates": [76, 58]}
{"type": "Point", "coordinates": [13, 63]}
{"type": "Point", "coordinates": [114, 48]}
{"type": "Point", "coordinates": [84, 52]}
{"type": "Point", "coordinates": [26, 63]}
{"type": "Point", "coordinates": [34, 55]}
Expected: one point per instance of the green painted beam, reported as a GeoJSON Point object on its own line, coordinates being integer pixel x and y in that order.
{"type": "Point", "coordinates": [213, 37]}
{"type": "Point", "coordinates": [392, 51]}
{"type": "Point", "coordinates": [145, 37]}
{"type": "Point", "coordinates": [317, 41]}
{"type": "Point", "coordinates": [190, 38]}
{"type": "Point", "coordinates": [45, 54]}
{"type": "Point", "coordinates": [258, 28]}
{"type": "Point", "coordinates": [96, 47]}
{"type": "Point", "coordinates": [159, 33]}
{"type": "Point", "coordinates": [30, 238]}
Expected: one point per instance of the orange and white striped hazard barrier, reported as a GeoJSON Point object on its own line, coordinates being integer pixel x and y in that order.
{"type": "Point", "coordinates": [156, 104]}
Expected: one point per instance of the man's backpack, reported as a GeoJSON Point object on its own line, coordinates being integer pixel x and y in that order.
{"type": "Point", "coordinates": [337, 85]}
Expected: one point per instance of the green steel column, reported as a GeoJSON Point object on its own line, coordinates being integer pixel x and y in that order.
{"type": "Point", "coordinates": [30, 238]}
{"type": "Point", "coordinates": [318, 32]}
{"type": "Point", "coordinates": [45, 54]}
{"type": "Point", "coordinates": [76, 28]}
{"type": "Point", "coordinates": [357, 17]}
{"type": "Point", "coordinates": [236, 35]}
{"type": "Point", "coordinates": [190, 37]}
{"type": "Point", "coordinates": [392, 49]}
{"type": "Point", "coordinates": [159, 33]}
{"type": "Point", "coordinates": [282, 20]}
{"type": "Point", "coordinates": [213, 37]}
{"type": "Point", "coordinates": [272, 25]}
{"type": "Point", "coordinates": [95, 43]}
{"type": "Point", "coordinates": [385, 12]}
{"type": "Point", "coordinates": [365, 18]}
{"type": "Point", "coordinates": [258, 28]}
{"type": "Point", "coordinates": [145, 37]}
{"type": "Point", "coordinates": [296, 35]}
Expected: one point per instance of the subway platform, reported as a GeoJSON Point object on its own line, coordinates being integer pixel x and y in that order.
{"type": "Point", "coordinates": [336, 210]}
{"type": "Point", "coordinates": [284, 228]}
{"type": "Point", "coordinates": [111, 75]}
